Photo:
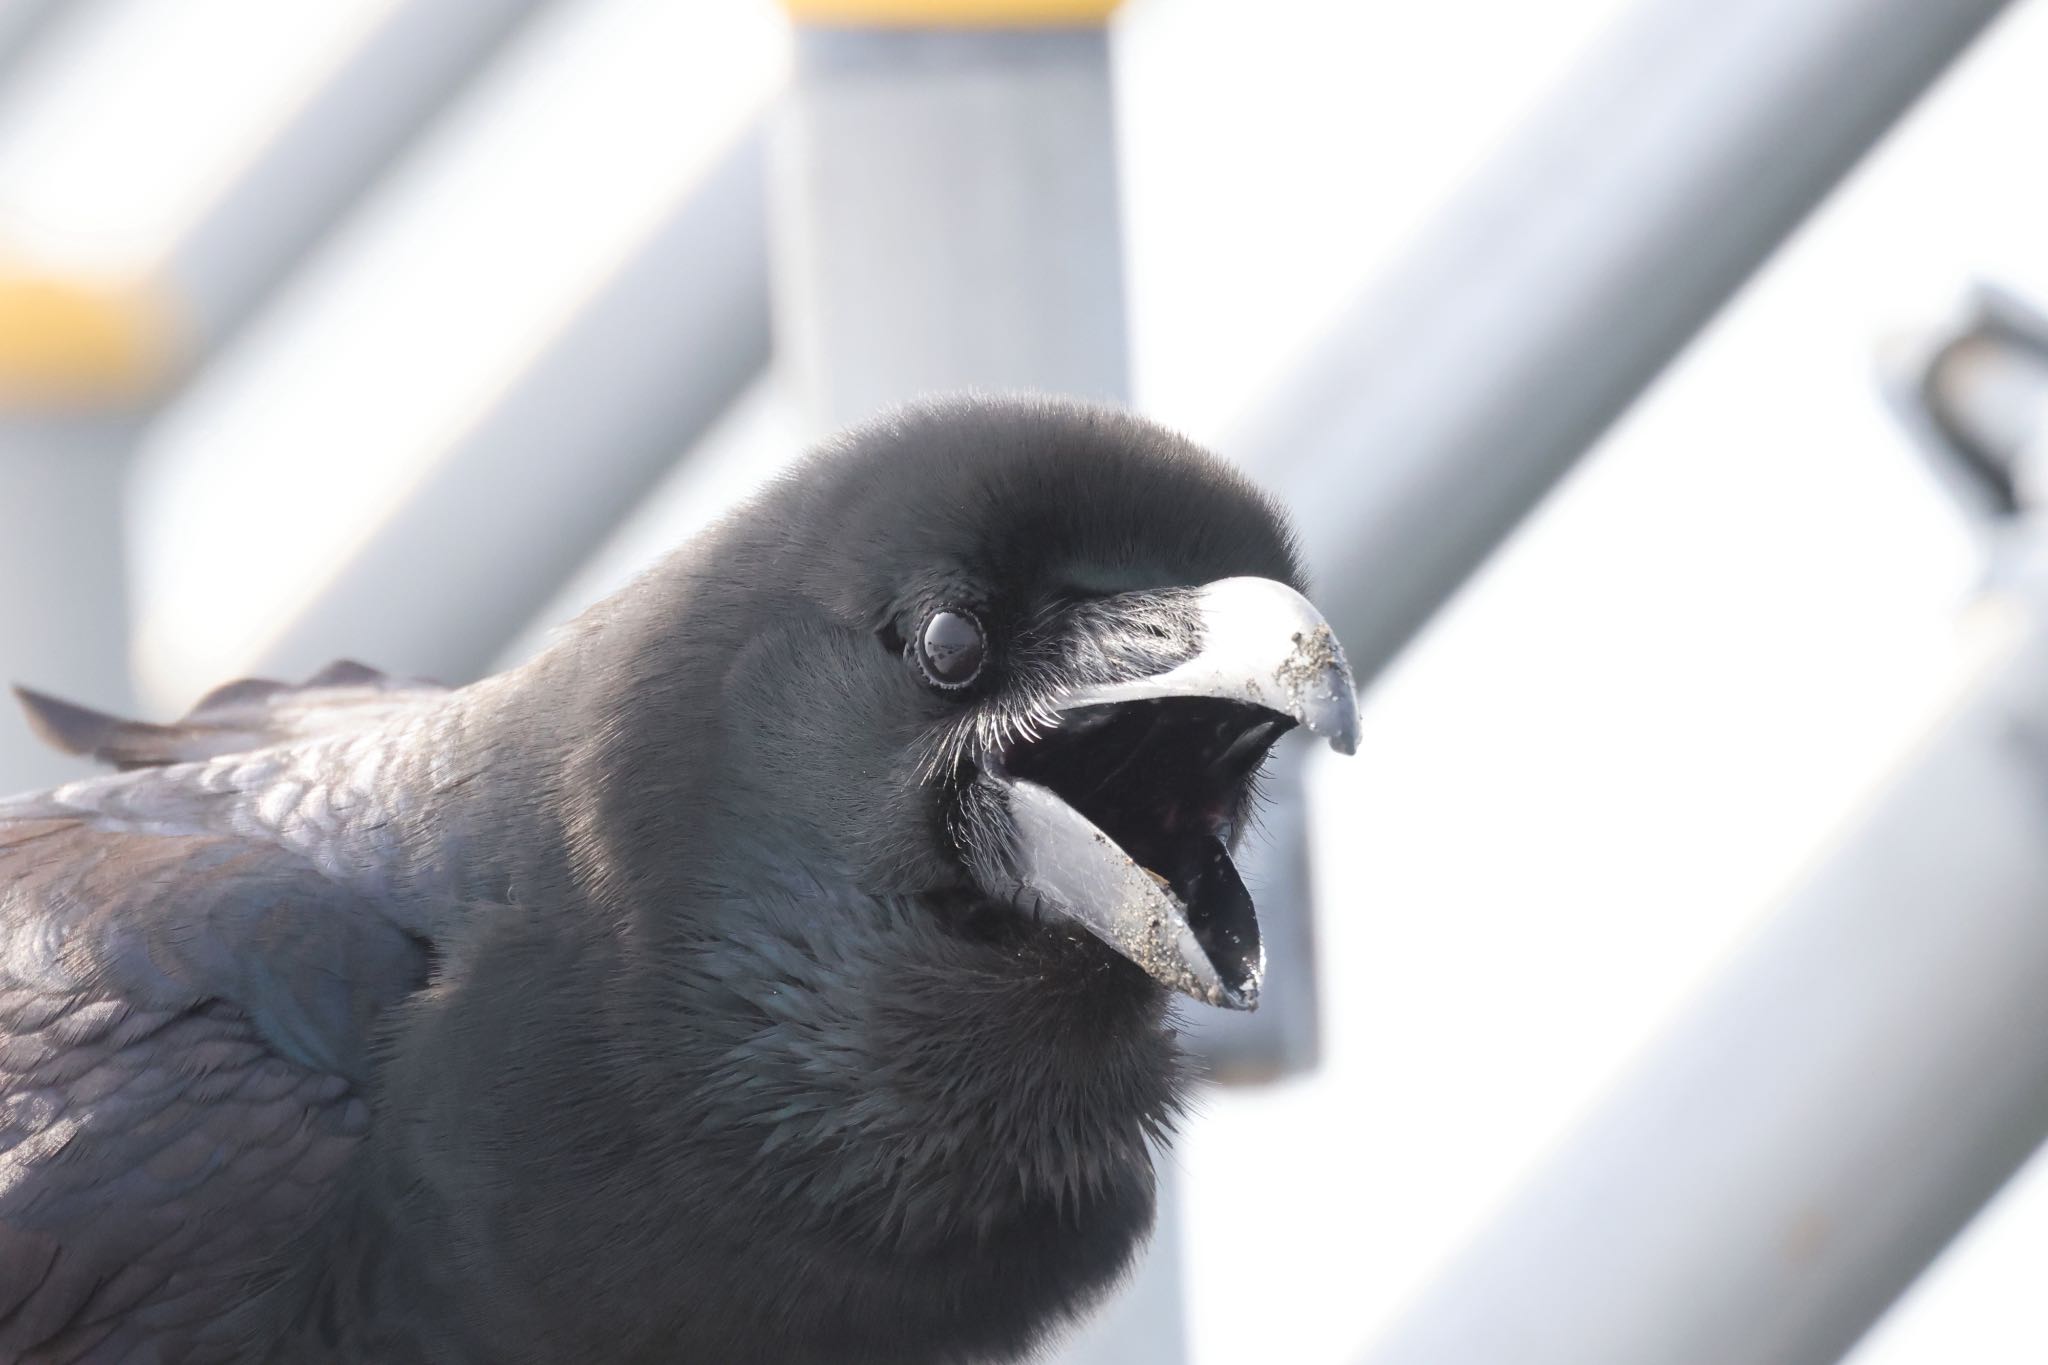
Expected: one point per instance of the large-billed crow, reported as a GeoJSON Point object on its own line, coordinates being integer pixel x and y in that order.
{"type": "Point", "coordinates": [775, 969]}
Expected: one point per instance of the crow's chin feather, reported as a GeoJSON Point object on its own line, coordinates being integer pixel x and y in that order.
{"type": "Point", "coordinates": [887, 1086]}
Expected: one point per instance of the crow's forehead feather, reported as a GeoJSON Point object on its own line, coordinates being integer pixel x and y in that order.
{"type": "Point", "coordinates": [1032, 496]}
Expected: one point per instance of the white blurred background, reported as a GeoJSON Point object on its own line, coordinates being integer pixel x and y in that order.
{"type": "Point", "coordinates": [1577, 792]}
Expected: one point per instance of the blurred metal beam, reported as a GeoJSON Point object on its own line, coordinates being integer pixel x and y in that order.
{"type": "Point", "coordinates": [62, 581]}
{"type": "Point", "coordinates": [1447, 402]}
{"type": "Point", "coordinates": [945, 217]}
{"type": "Point", "coordinates": [261, 201]}
{"type": "Point", "coordinates": [281, 202]}
{"type": "Point", "coordinates": [594, 421]}
{"type": "Point", "coordinates": [1781, 1167]}
{"type": "Point", "coordinates": [1576, 264]}
{"type": "Point", "coordinates": [82, 362]}
{"type": "Point", "coordinates": [1846, 1096]}
{"type": "Point", "coordinates": [21, 23]}
{"type": "Point", "coordinates": [1864, 1078]}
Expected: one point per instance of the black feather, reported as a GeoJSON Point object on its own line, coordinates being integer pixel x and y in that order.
{"type": "Point", "coordinates": [637, 1005]}
{"type": "Point", "coordinates": [236, 717]}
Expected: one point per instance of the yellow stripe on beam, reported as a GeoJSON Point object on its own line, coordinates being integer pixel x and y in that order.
{"type": "Point", "coordinates": [66, 342]}
{"type": "Point", "coordinates": [953, 13]}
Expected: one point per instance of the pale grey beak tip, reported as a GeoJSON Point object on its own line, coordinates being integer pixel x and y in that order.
{"type": "Point", "coordinates": [1322, 694]}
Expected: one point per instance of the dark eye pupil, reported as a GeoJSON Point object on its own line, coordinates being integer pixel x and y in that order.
{"type": "Point", "coordinates": [952, 647]}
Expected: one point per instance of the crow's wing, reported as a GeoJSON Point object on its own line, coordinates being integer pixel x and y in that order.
{"type": "Point", "coordinates": [192, 961]}
{"type": "Point", "coordinates": [252, 713]}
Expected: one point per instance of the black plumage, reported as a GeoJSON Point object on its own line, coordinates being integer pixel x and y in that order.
{"type": "Point", "coordinates": [687, 994]}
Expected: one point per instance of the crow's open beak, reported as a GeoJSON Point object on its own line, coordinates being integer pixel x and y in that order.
{"type": "Point", "coordinates": [1123, 817]}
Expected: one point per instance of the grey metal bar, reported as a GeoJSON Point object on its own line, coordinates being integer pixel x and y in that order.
{"type": "Point", "coordinates": [62, 585]}
{"type": "Point", "coordinates": [407, 68]}
{"type": "Point", "coordinates": [624, 310]}
{"type": "Point", "coordinates": [1450, 400]}
{"type": "Point", "coordinates": [64, 624]}
{"type": "Point", "coordinates": [534, 483]}
{"type": "Point", "coordinates": [21, 23]}
{"type": "Point", "coordinates": [1575, 266]}
{"type": "Point", "coordinates": [1866, 1075]}
{"type": "Point", "coordinates": [1284, 1036]}
{"type": "Point", "coordinates": [1787, 1162]}
{"type": "Point", "coordinates": [1849, 1092]}
{"type": "Point", "coordinates": [945, 217]}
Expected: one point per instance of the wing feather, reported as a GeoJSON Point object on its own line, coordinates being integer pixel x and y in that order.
{"type": "Point", "coordinates": [193, 963]}
{"type": "Point", "coordinates": [237, 717]}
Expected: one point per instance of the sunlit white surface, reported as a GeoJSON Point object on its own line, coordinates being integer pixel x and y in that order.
{"type": "Point", "coordinates": [295, 446]}
{"type": "Point", "coordinates": [1276, 155]}
{"type": "Point", "coordinates": [1589, 779]}
{"type": "Point", "coordinates": [125, 121]}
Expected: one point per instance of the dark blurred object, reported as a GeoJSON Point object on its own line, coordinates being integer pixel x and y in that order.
{"type": "Point", "coordinates": [1974, 394]}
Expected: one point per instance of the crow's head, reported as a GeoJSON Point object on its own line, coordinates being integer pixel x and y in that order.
{"type": "Point", "coordinates": [1018, 656]}
{"type": "Point", "coordinates": [1032, 653]}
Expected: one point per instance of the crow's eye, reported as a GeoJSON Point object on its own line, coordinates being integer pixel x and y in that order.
{"type": "Point", "coordinates": [950, 649]}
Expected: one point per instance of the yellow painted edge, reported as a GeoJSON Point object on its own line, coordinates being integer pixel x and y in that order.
{"type": "Point", "coordinates": [953, 13]}
{"type": "Point", "coordinates": [74, 342]}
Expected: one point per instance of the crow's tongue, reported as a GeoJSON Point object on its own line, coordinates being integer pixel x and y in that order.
{"type": "Point", "coordinates": [1219, 909]}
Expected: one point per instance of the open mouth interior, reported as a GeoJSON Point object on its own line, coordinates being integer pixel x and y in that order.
{"type": "Point", "coordinates": [1166, 779]}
